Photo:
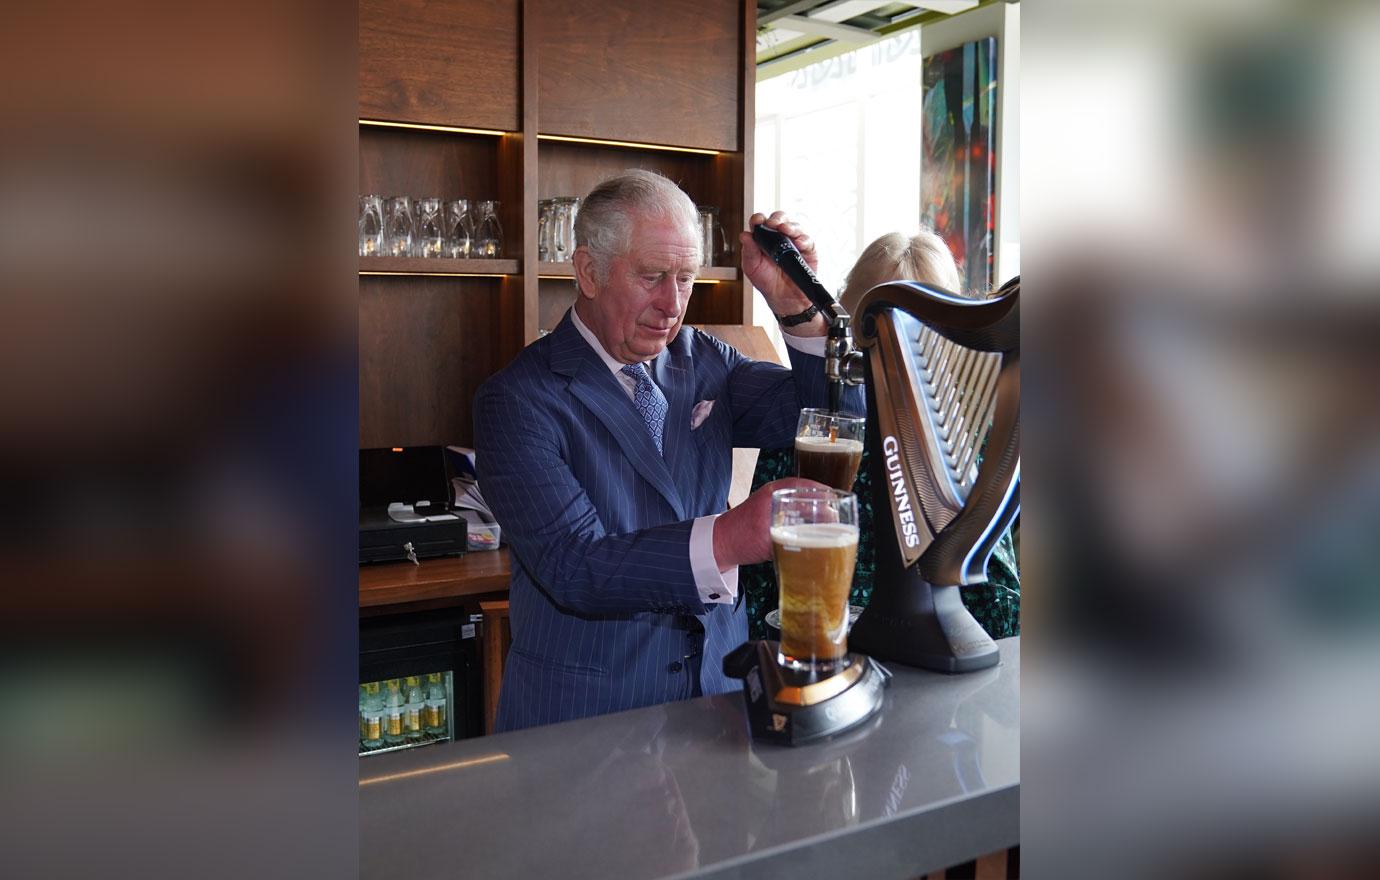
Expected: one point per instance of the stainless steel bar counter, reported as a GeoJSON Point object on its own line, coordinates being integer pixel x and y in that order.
{"type": "Point", "coordinates": [680, 790]}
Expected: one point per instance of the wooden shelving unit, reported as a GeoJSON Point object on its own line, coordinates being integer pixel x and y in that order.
{"type": "Point", "coordinates": [479, 81]}
{"type": "Point", "coordinates": [487, 83]}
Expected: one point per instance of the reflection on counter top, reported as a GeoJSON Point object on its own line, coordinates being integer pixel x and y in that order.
{"type": "Point", "coordinates": [681, 790]}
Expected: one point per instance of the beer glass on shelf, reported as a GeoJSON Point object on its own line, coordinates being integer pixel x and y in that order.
{"type": "Point", "coordinates": [545, 210]}
{"type": "Point", "coordinates": [814, 537]}
{"type": "Point", "coordinates": [488, 234]}
{"type": "Point", "coordinates": [563, 228]}
{"type": "Point", "coordinates": [398, 227]}
{"type": "Point", "coordinates": [430, 235]}
{"type": "Point", "coordinates": [459, 229]}
{"type": "Point", "coordinates": [828, 447]}
{"type": "Point", "coordinates": [370, 226]}
{"type": "Point", "coordinates": [711, 235]}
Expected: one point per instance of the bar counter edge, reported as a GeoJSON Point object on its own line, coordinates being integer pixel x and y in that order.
{"type": "Point", "coordinates": [680, 790]}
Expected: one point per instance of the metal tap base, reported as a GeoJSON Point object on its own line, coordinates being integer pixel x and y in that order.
{"type": "Point", "coordinates": [792, 708]}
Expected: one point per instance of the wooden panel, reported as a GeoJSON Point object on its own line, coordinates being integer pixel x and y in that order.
{"type": "Point", "coordinates": [399, 162]}
{"type": "Point", "coordinates": [425, 345]}
{"type": "Point", "coordinates": [498, 635]}
{"type": "Point", "coordinates": [530, 295]}
{"type": "Point", "coordinates": [517, 214]}
{"type": "Point", "coordinates": [991, 866]}
{"type": "Point", "coordinates": [555, 298]}
{"type": "Point", "coordinates": [473, 574]}
{"type": "Point", "coordinates": [751, 340]}
{"type": "Point", "coordinates": [435, 265]}
{"type": "Point", "coordinates": [442, 62]}
{"type": "Point", "coordinates": [715, 304]}
{"type": "Point", "coordinates": [662, 73]}
{"type": "Point", "coordinates": [568, 169]}
{"type": "Point", "coordinates": [735, 170]}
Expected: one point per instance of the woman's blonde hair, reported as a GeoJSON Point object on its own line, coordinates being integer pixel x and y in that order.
{"type": "Point", "coordinates": [894, 257]}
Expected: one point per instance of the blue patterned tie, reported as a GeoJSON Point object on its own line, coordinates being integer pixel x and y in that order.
{"type": "Point", "coordinates": [649, 400]}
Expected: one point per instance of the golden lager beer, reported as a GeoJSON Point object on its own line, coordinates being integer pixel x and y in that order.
{"type": "Point", "coordinates": [831, 462]}
{"type": "Point", "coordinates": [814, 572]}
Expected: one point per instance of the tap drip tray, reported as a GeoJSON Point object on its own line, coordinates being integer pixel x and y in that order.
{"type": "Point", "coordinates": [795, 708]}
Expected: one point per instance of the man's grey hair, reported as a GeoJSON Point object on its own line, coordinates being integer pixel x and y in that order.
{"type": "Point", "coordinates": [605, 223]}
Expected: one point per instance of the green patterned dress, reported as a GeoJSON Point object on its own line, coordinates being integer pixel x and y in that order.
{"type": "Point", "coordinates": [996, 604]}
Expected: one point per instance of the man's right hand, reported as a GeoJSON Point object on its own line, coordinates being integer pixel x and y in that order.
{"type": "Point", "coordinates": [742, 536]}
{"type": "Point", "coordinates": [781, 293]}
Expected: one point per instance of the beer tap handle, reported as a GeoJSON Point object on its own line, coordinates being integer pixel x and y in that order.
{"type": "Point", "coordinates": [838, 347]}
{"type": "Point", "coordinates": [784, 254]}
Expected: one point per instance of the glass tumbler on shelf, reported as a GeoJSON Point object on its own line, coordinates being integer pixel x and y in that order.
{"type": "Point", "coordinates": [712, 236]}
{"type": "Point", "coordinates": [563, 232]}
{"type": "Point", "coordinates": [370, 226]}
{"type": "Point", "coordinates": [459, 230]}
{"type": "Point", "coordinates": [544, 211]}
{"type": "Point", "coordinates": [430, 237]}
{"type": "Point", "coordinates": [398, 227]}
{"type": "Point", "coordinates": [488, 234]}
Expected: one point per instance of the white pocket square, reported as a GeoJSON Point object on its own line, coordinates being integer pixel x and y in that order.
{"type": "Point", "coordinates": [700, 413]}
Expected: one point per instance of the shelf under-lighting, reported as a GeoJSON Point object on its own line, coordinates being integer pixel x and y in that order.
{"type": "Point", "coordinates": [416, 126]}
{"type": "Point", "coordinates": [629, 144]}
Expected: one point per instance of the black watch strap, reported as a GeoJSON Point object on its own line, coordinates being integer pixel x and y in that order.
{"type": "Point", "coordinates": [795, 320]}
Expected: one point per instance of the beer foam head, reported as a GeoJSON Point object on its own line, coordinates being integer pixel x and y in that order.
{"type": "Point", "coordinates": [815, 536]}
{"type": "Point", "coordinates": [824, 444]}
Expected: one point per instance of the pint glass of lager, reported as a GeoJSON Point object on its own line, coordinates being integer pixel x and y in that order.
{"type": "Point", "coordinates": [814, 536]}
{"type": "Point", "coordinates": [828, 447]}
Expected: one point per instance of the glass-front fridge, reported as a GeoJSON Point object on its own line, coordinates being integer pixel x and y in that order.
{"type": "Point", "coordinates": [418, 680]}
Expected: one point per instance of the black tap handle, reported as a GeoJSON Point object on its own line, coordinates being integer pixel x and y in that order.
{"type": "Point", "coordinates": [784, 254]}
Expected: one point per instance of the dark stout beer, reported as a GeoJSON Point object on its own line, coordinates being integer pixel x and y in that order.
{"type": "Point", "coordinates": [831, 462]}
{"type": "Point", "coordinates": [814, 572]}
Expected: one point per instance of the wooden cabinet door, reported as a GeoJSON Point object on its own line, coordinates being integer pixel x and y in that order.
{"type": "Point", "coordinates": [665, 72]}
{"type": "Point", "coordinates": [440, 62]}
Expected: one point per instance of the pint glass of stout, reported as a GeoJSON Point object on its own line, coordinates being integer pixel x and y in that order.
{"type": "Point", "coordinates": [828, 447]}
{"type": "Point", "coordinates": [814, 536]}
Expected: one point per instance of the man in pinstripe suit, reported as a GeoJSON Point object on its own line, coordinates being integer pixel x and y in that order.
{"type": "Point", "coordinates": [605, 450]}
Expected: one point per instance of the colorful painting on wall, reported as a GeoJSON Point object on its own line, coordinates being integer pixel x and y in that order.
{"type": "Point", "coordinates": [958, 174]}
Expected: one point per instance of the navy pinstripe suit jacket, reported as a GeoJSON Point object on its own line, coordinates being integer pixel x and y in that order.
{"type": "Point", "coordinates": [604, 611]}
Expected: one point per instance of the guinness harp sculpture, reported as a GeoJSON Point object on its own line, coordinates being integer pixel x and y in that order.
{"type": "Point", "coordinates": [943, 400]}
{"type": "Point", "coordinates": [944, 429]}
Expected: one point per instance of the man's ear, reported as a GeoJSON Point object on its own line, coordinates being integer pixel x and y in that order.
{"type": "Point", "coordinates": [584, 272]}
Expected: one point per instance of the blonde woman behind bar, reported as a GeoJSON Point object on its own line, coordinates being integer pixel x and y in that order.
{"type": "Point", "coordinates": [996, 605]}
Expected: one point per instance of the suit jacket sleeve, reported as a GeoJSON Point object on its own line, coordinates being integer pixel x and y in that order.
{"type": "Point", "coordinates": [554, 530]}
{"type": "Point", "coordinates": [766, 398]}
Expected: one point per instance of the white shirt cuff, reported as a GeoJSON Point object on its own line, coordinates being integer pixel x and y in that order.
{"type": "Point", "coordinates": [806, 344]}
{"type": "Point", "coordinates": [715, 587]}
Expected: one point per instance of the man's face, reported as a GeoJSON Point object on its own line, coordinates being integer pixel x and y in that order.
{"type": "Point", "coordinates": [641, 306]}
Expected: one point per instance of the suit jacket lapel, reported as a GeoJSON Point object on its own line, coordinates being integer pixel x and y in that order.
{"type": "Point", "coordinates": [593, 385]}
